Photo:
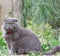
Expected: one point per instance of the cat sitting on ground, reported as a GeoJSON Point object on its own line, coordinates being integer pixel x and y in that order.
{"type": "Point", "coordinates": [19, 40]}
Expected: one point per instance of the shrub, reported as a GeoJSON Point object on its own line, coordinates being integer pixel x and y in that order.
{"type": "Point", "coordinates": [2, 42]}
{"type": "Point", "coordinates": [45, 33]}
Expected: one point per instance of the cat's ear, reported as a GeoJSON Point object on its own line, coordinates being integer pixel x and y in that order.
{"type": "Point", "coordinates": [16, 20]}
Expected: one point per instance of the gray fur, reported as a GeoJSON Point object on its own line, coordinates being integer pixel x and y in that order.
{"type": "Point", "coordinates": [22, 40]}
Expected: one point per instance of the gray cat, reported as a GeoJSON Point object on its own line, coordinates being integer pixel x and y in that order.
{"type": "Point", "coordinates": [20, 40]}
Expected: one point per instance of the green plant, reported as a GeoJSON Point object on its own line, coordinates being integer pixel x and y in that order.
{"type": "Point", "coordinates": [42, 17]}
{"type": "Point", "coordinates": [42, 10]}
{"type": "Point", "coordinates": [2, 42]}
{"type": "Point", "coordinates": [45, 33]}
{"type": "Point", "coordinates": [34, 54]}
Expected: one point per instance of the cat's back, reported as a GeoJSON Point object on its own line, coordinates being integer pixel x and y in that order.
{"type": "Point", "coordinates": [30, 41]}
{"type": "Point", "coordinates": [28, 32]}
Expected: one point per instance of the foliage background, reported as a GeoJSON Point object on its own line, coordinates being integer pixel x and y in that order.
{"type": "Point", "coordinates": [42, 17]}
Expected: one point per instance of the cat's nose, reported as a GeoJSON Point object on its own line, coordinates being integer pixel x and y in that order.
{"type": "Point", "coordinates": [7, 27]}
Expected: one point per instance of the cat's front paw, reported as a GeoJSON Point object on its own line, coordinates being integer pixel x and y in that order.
{"type": "Point", "coordinates": [11, 52]}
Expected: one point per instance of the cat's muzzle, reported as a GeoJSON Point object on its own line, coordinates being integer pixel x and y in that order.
{"type": "Point", "coordinates": [9, 31]}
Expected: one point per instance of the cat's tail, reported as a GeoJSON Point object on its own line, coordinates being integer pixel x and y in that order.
{"type": "Point", "coordinates": [52, 51]}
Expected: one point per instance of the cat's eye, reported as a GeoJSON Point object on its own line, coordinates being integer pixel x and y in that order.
{"type": "Point", "coordinates": [14, 28]}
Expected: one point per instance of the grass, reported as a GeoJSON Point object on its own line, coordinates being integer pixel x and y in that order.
{"type": "Point", "coordinates": [4, 52]}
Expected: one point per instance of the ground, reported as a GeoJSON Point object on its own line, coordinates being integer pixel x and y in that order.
{"type": "Point", "coordinates": [4, 52]}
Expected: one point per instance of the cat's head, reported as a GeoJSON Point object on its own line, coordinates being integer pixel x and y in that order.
{"type": "Point", "coordinates": [10, 25]}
